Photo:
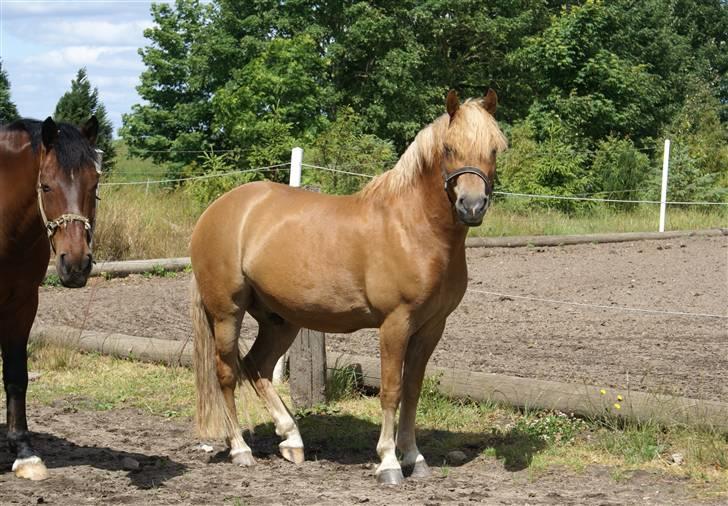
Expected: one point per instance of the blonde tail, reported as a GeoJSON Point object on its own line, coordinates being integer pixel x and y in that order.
{"type": "Point", "coordinates": [212, 416]}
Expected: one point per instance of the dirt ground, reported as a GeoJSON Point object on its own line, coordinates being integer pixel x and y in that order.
{"type": "Point", "coordinates": [92, 466]}
{"type": "Point", "coordinates": [662, 353]}
{"type": "Point", "coordinates": [89, 452]}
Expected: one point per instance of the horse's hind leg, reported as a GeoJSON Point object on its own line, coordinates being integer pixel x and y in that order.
{"type": "Point", "coordinates": [275, 336]}
{"type": "Point", "coordinates": [13, 341]}
{"type": "Point", "coordinates": [227, 332]}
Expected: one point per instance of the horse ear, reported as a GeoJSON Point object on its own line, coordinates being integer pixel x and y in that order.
{"type": "Point", "coordinates": [49, 133]}
{"type": "Point", "coordinates": [490, 102]}
{"type": "Point", "coordinates": [453, 103]}
{"type": "Point", "coordinates": [91, 129]}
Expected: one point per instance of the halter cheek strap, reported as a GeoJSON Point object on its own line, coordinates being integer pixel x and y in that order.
{"type": "Point", "coordinates": [63, 220]}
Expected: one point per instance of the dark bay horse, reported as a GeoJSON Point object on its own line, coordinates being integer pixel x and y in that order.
{"type": "Point", "coordinates": [390, 257]}
{"type": "Point", "coordinates": [48, 180]}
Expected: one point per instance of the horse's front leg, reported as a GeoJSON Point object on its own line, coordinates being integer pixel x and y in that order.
{"type": "Point", "coordinates": [13, 341]}
{"type": "Point", "coordinates": [393, 336]}
{"type": "Point", "coordinates": [420, 348]}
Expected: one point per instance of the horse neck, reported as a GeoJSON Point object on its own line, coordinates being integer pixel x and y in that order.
{"type": "Point", "coordinates": [425, 201]}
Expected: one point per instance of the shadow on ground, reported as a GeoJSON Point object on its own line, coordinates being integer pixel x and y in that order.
{"type": "Point", "coordinates": [349, 440]}
{"type": "Point", "coordinates": [58, 453]}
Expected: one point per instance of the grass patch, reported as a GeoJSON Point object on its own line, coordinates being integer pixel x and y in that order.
{"type": "Point", "coordinates": [532, 440]}
{"type": "Point", "coordinates": [133, 224]}
{"type": "Point", "coordinates": [504, 220]}
{"type": "Point", "coordinates": [52, 280]}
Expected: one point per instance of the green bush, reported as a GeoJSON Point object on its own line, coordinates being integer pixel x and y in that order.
{"type": "Point", "coordinates": [344, 146]}
{"type": "Point", "coordinates": [619, 171]}
{"type": "Point", "coordinates": [222, 175]}
{"type": "Point", "coordinates": [553, 166]}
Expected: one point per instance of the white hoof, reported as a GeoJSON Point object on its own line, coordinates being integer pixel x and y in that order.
{"type": "Point", "coordinates": [292, 453]}
{"type": "Point", "coordinates": [242, 458]}
{"type": "Point", "coordinates": [31, 468]}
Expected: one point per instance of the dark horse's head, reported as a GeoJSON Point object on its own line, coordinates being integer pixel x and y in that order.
{"type": "Point", "coordinates": [68, 181]}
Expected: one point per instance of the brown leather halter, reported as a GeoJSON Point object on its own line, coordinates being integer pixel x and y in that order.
{"type": "Point", "coordinates": [63, 220]}
{"type": "Point", "coordinates": [465, 170]}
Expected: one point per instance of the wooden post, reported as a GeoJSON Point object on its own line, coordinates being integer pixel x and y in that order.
{"type": "Point", "coordinates": [307, 362]}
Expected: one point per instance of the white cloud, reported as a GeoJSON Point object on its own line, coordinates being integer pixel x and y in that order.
{"type": "Point", "coordinates": [87, 32]}
{"type": "Point", "coordinates": [44, 43]}
{"type": "Point", "coordinates": [117, 57]}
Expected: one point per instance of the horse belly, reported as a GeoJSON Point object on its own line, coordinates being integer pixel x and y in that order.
{"type": "Point", "coordinates": [331, 303]}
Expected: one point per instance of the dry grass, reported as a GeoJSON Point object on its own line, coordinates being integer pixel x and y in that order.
{"type": "Point", "coordinates": [134, 224]}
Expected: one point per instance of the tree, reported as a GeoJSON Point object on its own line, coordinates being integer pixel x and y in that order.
{"type": "Point", "coordinates": [8, 111]}
{"type": "Point", "coordinates": [175, 125]}
{"type": "Point", "coordinates": [78, 105]}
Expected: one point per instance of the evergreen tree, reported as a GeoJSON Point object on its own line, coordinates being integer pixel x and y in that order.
{"type": "Point", "coordinates": [77, 106]}
{"type": "Point", "coordinates": [8, 111]}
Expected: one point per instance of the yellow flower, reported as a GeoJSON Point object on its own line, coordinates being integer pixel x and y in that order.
{"type": "Point", "coordinates": [617, 405]}
{"type": "Point", "coordinates": [603, 392]}
{"type": "Point", "coordinates": [620, 398]}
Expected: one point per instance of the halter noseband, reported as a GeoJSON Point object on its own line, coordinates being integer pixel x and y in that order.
{"type": "Point", "coordinates": [63, 220]}
{"type": "Point", "coordinates": [465, 170]}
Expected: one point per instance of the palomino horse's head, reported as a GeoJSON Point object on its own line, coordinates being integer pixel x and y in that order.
{"type": "Point", "coordinates": [470, 146]}
{"type": "Point", "coordinates": [67, 192]}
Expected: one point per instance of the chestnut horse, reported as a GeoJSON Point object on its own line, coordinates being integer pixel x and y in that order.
{"type": "Point", "coordinates": [391, 256]}
{"type": "Point", "coordinates": [48, 181]}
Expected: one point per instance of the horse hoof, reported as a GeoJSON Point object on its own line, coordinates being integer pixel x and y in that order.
{"type": "Point", "coordinates": [292, 454]}
{"type": "Point", "coordinates": [419, 470]}
{"type": "Point", "coordinates": [390, 477]}
{"type": "Point", "coordinates": [31, 468]}
{"type": "Point", "coordinates": [243, 458]}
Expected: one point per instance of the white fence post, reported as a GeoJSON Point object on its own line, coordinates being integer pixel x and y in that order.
{"type": "Point", "coordinates": [295, 181]}
{"type": "Point", "coordinates": [296, 160]}
{"type": "Point", "coordinates": [663, 191]}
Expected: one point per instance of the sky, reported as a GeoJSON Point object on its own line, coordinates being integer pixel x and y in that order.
{"type": "Point", "coordinates": [44, 43]}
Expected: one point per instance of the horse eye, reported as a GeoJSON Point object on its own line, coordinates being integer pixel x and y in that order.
{"type": "Point", "coordinates": [45, 188]}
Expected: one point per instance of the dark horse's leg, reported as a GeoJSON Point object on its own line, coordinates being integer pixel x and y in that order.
{"type": "Point", "coordinates": [15, 329]}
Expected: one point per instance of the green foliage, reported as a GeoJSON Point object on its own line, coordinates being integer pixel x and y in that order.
{"type": "Point", "coordinates": [619, 171]}
{"type": "Point", "coordinates": [635, 442]}
{"type": "Point", "coordinates": [52, 280]}
{"type": "Point", "coordinates": [223, 177]}
{"type": "Point", "coordinates": [586, 86]}
{"type": "Point", "coordinates": [275, 98]}
{"type": "Point", "coordinates": [551, 167]}
{"type": "Point", "coordinates": [553, 428]}
{"type": "Point", "coordinates": [8, 111]}
{"type": "Point", "coordinates": [344, 146]}
{"type": "Point", "coordinates": [177, 85]}
{"type": "Point", "coordinates": [78, 105]}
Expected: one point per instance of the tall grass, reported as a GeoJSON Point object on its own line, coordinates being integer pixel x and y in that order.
{"type": "Point", "coordinates": [133, 223]}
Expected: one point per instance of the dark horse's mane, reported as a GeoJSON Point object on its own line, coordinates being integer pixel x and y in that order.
{"type": "Point", "coordinates": [72, 148]}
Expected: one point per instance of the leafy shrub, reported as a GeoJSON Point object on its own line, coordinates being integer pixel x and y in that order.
{"type": "Point", "coordinates": [344, 146]}
{"type": "Point", "coordinates": [551, 167]}
{"type": "Point", "coordinates": [619, 171]}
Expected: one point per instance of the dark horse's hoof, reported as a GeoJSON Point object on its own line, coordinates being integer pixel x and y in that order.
{"type": "Point", "coordinates": [390, 477]}
{"type": "Point", "coordinates": [419, 470]}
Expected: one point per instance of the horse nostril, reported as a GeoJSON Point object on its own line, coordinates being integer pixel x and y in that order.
{"type": "Point", "coordinates": [87, 263]}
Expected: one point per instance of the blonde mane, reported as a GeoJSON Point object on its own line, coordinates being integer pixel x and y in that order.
{"type": "Point", "coordinates": [472, 126]}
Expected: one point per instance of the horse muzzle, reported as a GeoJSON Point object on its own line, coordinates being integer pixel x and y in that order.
{"type": "Point", "coordinates": [74, 273]}
{"type": "Point", "coordinates": [471, 209]}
